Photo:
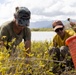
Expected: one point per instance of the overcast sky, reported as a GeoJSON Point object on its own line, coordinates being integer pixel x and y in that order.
{"type": "Point", "coordinates": [40, 9]}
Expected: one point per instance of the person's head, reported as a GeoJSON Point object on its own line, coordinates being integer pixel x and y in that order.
{"type": "Point", "coordinates": [58, 27]}
{"type": "Point", "coordinates": [22, 16]}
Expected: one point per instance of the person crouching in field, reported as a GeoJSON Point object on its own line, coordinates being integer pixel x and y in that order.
{"type": "Point", "coordinates": [58, 49]}
{"type": "Point", "coordinates": [17, 29]}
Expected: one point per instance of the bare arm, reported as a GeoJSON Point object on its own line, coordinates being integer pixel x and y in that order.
{"type": "Point", "coordinates": [27, 47]}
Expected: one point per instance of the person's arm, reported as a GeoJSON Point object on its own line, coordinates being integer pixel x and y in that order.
{"type": "Point", "coordinates": [27, 41]}
{"type": "Point", "coordinates": [55, 41]}
{"type": "Point", "coordinates": [3, 36]}
{"type": "Point", "coordinates": [28, 47]}
{"type": "Point", "coordinates": [53, 44]}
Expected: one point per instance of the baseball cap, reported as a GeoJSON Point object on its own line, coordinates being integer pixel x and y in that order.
{"type": "Point", "coordinates": [57, 24]}
{"type": "Point", "coordinates": [23, 16]}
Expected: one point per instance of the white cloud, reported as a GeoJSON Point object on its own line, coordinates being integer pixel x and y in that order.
{"type": "Point", "coordinates": [40, 9]}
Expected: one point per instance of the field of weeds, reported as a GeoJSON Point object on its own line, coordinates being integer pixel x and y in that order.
{"type": "Point", "coordinates": [40, 63]}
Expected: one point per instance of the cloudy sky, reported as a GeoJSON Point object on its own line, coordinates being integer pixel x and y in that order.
{"type": "Point", "coordinates": [41, 10]}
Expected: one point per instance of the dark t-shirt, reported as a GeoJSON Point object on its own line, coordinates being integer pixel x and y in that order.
{"type": "Point", "coordinates": [8, 35]}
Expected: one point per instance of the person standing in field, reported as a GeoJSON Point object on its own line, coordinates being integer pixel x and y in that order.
{"type": "Point", "coordinates": [58, 49]}
{"type": "Point", "coordinates": [73, 24]}
{"type": "Point", "coordinates": [17, 29]}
